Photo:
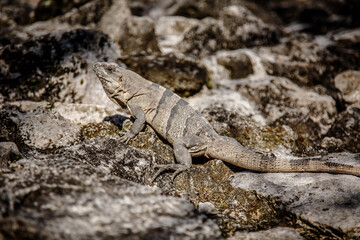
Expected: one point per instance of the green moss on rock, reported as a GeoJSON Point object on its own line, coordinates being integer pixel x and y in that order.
{"type": "Point", "coordinates": [102, 129]}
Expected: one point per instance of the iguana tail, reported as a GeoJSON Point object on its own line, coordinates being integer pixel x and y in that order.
{"type": "Point", "coordinates": [229, 150]}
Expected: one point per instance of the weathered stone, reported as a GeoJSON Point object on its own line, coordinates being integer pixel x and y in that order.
{"type": "Point", "coordinates": [133, 34]}
{"type": "Point", "coordinates": [9, 127]}
{"type": "Point", "coordinates": [299, 60]}
{"type": "Point", "coordinates": [332, 144]}
{"type": "Point", "coordinates": [247, 132]}
{"type": "Point", "coordinates": [73, 190]}
{"type": "Point", "coordinates": [112, 156]}
{"type": "Point", "coordinates": [138, 36]}
{"type": "Point", "coordinates": [348, 83]}
{"type": "Point", "coordinates": [75, 112]}
{"type": "Point", "coordinates": [19, 11]}
{"type": "Point", "coordinates": [87, 16]}
{"type": "Point", "coordinates": [239, 64]}
{"type": "Point", "coordinates": [170, 31]}
{"type": "Point", "coordinates": [347, 128]}
{"type": "Point", "coordinates": [235, 209]}
{"type": "Point", "coordinates": [181, 75]}
{"type": "Point", "coordinates": [307, 112]}
{"type": "Point", "coordinates": [309, 61]}
{"type": "Point", "coordinates": [301, 72]}
{"type": "Point", "coordinates": [316, 17]}
{"type": "Point", "coordinates": [349, 38]}
{"type": "Point", "coordinates": [81, 201]}
{"type": "Point", "coordinates": [92, 130]}
{"type": "Point", "coordinates": [341, 59]}
{"type": "Point", "coordinates": [142, 7]}
{"type": "Point", "coordinates": [282, 233]}
{"type": "Point", "coordinates": [55, 67]}
{"type": "Point", "coordinates": [49, 9]}
{"type": "Point", "coordinates": [200, 9]}
{"type": "Point", "coordinates": [121, 13]}
{"type": "Point", "coordinates": [204, 38]}
{"type": "Point", "coordinates": [8, 153]}
{"type": "Point", "coordinates": [324, 199]}
{"type": "Point", "coordinates": [236, 28]}
{"type": "Point", "coordinates": [10, 32]}
{"type": "Point", "coordinates": [242, 28]}
{"type": "Point", "coordinates": [34, 128]}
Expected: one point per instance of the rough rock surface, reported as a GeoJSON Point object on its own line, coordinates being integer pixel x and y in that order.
{"type": "Point", "coordinates": [85, 201]}
{"type": "Point", "coordinates": [237, 28]}
{"type": "Point", "coordinates": [349, 85]}
{"type": "Point", "coordinates": [239, 64]}
{"type": "Point", "coordinates": [347, 128]}
{"type": "Point", "coordinates": [55, 67]}
{"type": "Point", "coordinates": [181, 75]}
{"type": "Point", "coordinates": [349, 38]}
{"type": "Point", "coordinates": [170, 31]}
{"type": "Point", "coordinates": [319, 17]}
{"type": "Point", "coordinates": [139, 36]}
{"type": "Point", "coordinates": [248, 133]}
{"type": "Point", "coordinates": [282, 233]}
{"type": "Point", "coordinates": [280, 76]}
{"type": "Point", "coordinates": [307, 112]}
{"type": "Point", "coordinates": [317, 198]}
{"type": "Point", "coordinates": [34, 128]}
{"type": "Point", "coordinates": [8, 152]}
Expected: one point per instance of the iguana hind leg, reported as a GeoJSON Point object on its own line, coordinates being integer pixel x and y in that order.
{"type": "Point", "coordinates": [184, 149]}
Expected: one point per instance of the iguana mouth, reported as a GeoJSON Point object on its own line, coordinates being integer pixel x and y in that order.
{"type": "Point", "coordinates": [104, 79]}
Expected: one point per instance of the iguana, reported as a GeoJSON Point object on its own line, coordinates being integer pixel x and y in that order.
{"type": "Point", "coordinates": [190, 134]}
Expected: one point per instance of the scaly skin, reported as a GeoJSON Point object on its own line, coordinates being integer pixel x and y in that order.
{"type": "Point", "coordinates": [189, 132]}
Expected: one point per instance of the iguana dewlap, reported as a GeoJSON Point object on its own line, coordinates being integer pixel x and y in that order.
{"type": "Point", "coordinates": [190, 134]}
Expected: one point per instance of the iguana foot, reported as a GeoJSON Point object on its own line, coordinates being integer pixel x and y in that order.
{"type": "Point", "coordinates": [126, 137]}
{"type": "Point", "coordinates": [178, 168]}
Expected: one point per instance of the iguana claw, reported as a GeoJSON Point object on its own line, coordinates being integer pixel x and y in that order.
{"type": "Point", "coordinates": [163, 167]}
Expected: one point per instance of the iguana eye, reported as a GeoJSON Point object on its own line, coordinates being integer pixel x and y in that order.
{"type": "Point", "coordinates": [110, 68]}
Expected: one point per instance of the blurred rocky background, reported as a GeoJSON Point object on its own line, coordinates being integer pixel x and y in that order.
{"type": "Point", "coordinates": [281, 75]}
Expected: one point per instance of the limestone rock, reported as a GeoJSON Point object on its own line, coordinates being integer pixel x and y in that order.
{"type": "Point", "coordinates": [299, 60]}
{"type": "Point", "coordinates": [248, 133]}
{"type": "Point", "coordinates": [81, 201]}
{"type": "Point", "coordinates": [119, 11]}
{"type": "Point", "coordinates": [325, 199]}
{"type": "Point", "coordinates": [170, 31]}
{"type": "Point", "coordinates": [315, 17]}
{"type": "Point", "coordinates": [283, 102]}
{"type": "Point", "coordinates": [133, 34]}
{"type": "Point", "coordinates": [309, 61]}
{"type": "Point", "coordinates": [348, 83]}
{"type": "Point", "coordinates": [8, 153]}
{"type": "Point", "coordinates": [182, 75]}
{"type": "Point", "coordinates": [55, 67]}
{"type": "Point", "coordinates": [239, 64]}
{"type": "Point", "coordinates": [349, 38]}
{"type": "Point", "coordinates": [34, 128]}
{"type": "Point", "coordinates": [236, 28]}
{"type": "Point", "coordinates": [279, 233]}
{"type": "Point", "coordinates": [241, 25]}
{"type": "Point", "coordinates": [203, 38]}
{"type": "Point", "coordinates": [76, 180]}
{"type": "Point", "coordinates": [139, 36]}
{"type": "Point", "coordinates": [347, 128]}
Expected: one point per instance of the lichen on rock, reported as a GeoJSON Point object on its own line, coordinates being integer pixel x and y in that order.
{"type": "Point", "coordinates": [278, 76]}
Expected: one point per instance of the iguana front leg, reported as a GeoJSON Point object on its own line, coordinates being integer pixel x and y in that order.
{"type": "Point", "coordinates": [138, 124]}
{"type": "Point", "coordinates": [184, 149]}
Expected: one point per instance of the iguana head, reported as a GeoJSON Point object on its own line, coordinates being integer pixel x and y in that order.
{"type": "Point", "coordinates": [113, 79]}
